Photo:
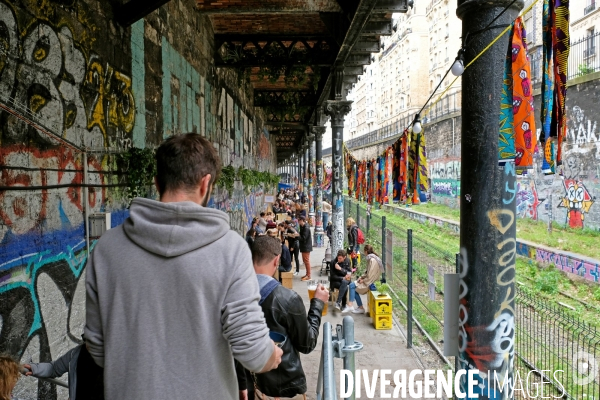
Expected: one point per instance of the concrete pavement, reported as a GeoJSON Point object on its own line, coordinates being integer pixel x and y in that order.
{"type": "Point", "coordinates": [383, 349]}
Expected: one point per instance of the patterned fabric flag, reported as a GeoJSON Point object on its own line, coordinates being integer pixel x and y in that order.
{"type": "Point", "coordinates": [404, 165]}
{"type": "Point", "coordinates": [506, 142]}
{"type": "Point", "coordinates": [423, 170]}
{"type": "Point", "coordinates": [413, 166]}
{"type": "Point", "coordinates": [548, 165]}
{"type": "Point", "coordinates": [522, 98]}
{"type": "Point", "coordinates": [561, 48]}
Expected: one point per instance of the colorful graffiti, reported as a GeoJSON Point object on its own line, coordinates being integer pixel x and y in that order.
{"type": "Point", "coordinates": [577, 201]}
{"type": "Point", "coordinates": [584, 267]}
{"type": "Point", "coordinates": [527, 199]}
{"type": "Point", "coordinates": [445, 188]}
{"type": "Point", "coordinates": [53, 77]}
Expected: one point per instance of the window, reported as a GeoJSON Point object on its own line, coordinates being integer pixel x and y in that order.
{"type": "Point", "coordinates": [591, 6]}
{"type": "Point", "coordinates": [590, 48]}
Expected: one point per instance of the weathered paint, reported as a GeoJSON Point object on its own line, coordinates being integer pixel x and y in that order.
{"type": "Point", "coordinates": [138, 79]}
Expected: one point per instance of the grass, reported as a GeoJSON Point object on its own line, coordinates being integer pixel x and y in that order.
{"type": "Point", "coordinates": [582, 241]}
{"type": "Point", "coordinates": [435, 245]}
{"type": "Point", "coordinates": [577, 300]}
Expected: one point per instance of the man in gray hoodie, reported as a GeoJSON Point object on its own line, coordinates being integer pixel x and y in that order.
{"type": "Point", "coordinates": [171, 293]}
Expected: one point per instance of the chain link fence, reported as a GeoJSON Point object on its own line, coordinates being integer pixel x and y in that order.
{"type": "Point", "coordinates": [547, 338]}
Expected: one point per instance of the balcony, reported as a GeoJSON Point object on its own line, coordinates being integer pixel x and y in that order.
{"type": "Point", "coordinates": [589, 8]}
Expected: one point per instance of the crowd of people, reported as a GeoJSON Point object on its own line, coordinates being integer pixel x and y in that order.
{"type": "Point", "coordinates": [174, 287]}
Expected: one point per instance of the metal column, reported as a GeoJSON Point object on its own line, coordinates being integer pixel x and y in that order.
{"type": "Point", "coordinates": [310, 212]}
{"type": "Point", "coordinates": [318, 131]}
{"type": "Point", "coordinates": [487, 204]}
{"type": "Point", "coordinates": [337, 110]}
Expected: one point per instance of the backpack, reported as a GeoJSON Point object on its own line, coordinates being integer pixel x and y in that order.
{"type": "Point", "coordinates": [360, 238]}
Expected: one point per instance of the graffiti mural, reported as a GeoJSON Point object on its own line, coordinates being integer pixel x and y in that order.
{"type": "Point", "coordinates": [53, 77]}
{"type": "Point", "coordinates": [568, 198]}
{"type": "Point", "coordinates": [577, 201]}
{"type": "Point", "coordinates": [527, 199]}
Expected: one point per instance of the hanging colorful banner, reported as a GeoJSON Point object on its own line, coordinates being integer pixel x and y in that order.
{"type": "Point", "coordinates": [522, 98]}
{"type": "Point", "coordinates": [517, 140]}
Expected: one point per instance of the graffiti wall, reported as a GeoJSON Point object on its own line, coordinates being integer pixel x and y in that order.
{"type": "Point", "coordinates": [72, 78]}
{"type": "Point", "coordinates": [445, 181]}
{"type": "Point", "coordinates": [569, 197]}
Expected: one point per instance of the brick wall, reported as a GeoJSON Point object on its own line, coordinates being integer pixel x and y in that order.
{"type": "Point", "coordinates": [98, 85]}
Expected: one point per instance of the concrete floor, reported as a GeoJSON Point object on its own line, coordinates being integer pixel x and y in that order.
{"type": "Point", "coordinates": [383, 349]}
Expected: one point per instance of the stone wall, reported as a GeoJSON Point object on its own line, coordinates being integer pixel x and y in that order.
{"type": "Point", "coordinates": [74, 73]}
{"type": "Point", "coordinates": [569, 199]}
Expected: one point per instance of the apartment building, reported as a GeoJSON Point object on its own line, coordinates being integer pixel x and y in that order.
{"type": "Point", "coordinates": [584, 57]}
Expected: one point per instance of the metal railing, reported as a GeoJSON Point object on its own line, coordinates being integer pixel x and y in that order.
{"type": "Point", "coordinates": [547, 337]}
{"type": "Point", "coordinates": [341, 345]}
{"type": "Point", "coordinates": [584, 57]}
{"type": "Point", "coordinates": [591, 7]}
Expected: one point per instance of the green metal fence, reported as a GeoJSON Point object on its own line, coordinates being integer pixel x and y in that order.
{"type": "Point", "coordinates": [546, 337]}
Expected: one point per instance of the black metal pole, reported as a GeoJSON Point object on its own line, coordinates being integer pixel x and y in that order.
{"type": "Point", "coordinates": [337, 110]}
{"type": "Point", "coordinates": [383, 246]}
{"type": "Point", "coordinates": [409, 309]}
{"type": "Point", "coordinates": [318, 131]}
{"type": "Point", "coordinates": [487, 204]}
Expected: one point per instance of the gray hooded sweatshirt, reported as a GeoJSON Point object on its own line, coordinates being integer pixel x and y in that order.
{"type": "Point", "coordinates": [172, 298]}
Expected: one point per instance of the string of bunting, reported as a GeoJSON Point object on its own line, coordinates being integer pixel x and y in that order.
{"type": "Point", "coordinates": [404, 163]}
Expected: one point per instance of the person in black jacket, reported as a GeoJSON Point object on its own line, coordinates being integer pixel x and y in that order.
{"type": "Point", "coordinates": [305, 246]}
{"type": "Point", "coordinates": [284, 313]}
{"type": "Point", "coordinates": [352, 239]}
{"type": "Point", "coordinates": [293, 238]}
{"type": "Point", "coordinates": [339, 274]}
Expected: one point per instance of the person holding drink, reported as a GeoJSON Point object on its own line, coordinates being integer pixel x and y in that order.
{"type": "Point", "coordinates": [285, 315]}
{"type": "Point", "coordinates": [340, 274]}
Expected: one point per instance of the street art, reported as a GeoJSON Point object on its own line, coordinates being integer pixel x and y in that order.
{"type": "Point", "coordinates": [582, 131]}
{"type": "Point", "coordinates": [486, 337]}
{"type": "Point", "coordinates": [43, 249]}
{"type": "Point", "coordinates": [577, 201]}
{"type": "Point", "coordinates": [445, 188]}
{"type": "Point", "coordinates": [53, 77]}
{"type": "Point", "coordinates": [527, 199]}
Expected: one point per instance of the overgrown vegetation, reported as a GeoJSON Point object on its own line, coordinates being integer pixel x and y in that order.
{"type": "Point", "coordinates": [139, 166]}
{"type": "Point", "coordinates": [251, 179]}
{"type": "Point", "coordinates": [582, 241]}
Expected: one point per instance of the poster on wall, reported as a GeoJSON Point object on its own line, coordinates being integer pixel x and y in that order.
{"type": "Point", "coordinates": [269, 198]}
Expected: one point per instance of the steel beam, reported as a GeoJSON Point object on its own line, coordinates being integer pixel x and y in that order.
{"type": "Point", "coordinates": [134, 10]}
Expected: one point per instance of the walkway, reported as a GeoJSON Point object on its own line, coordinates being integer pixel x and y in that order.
{"type": "Point", "coordinates": [382, 349]}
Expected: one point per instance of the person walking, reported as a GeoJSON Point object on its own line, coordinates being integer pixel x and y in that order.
{"type": "Point", "coordinates": [305, 246]}
{"type": "Point", "coordinates": [352, 240]}
{"type": "Point", "coordinates": [171, 294]}
{"type": "Point", "coordinates": [326, 210]}
{"type": "Point", "coordinates": [293, 238]}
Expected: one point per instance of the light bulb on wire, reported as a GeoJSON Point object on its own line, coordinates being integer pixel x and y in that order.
{"type": "Point", "coordinates": [459, 64]}
{"type": "Point", "coordinates": [417, 128]}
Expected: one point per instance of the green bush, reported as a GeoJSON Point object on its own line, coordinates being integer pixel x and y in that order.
{"type": "Point", "coordinates": [548, 280]}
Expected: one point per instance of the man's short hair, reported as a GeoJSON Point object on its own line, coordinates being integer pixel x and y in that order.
{"type": "Point", "coordinates": [265, 249]}
{"type": "Point", "coordinates": [302, 218]}
{"type": "Point", "coordinates": [341, 253]}
{"type": "Point", "coordinates": [183, 160]}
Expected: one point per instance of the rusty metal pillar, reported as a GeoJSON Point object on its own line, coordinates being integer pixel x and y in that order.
{"type": "Point", "coordinates": [487, 206]}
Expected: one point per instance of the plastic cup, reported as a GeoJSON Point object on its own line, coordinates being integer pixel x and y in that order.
{"type": "Point", "coordinates": [325, 284]}
{"type": "Point", "coordinates": [312, 287]}
{"type": "Point", "coordinates": [278, 338]}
